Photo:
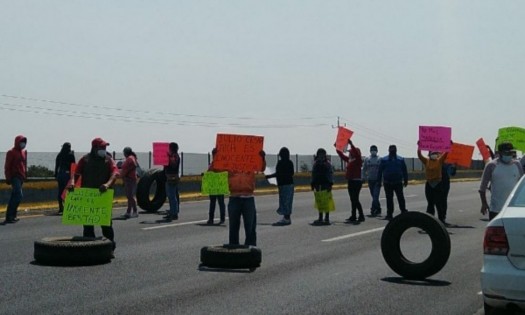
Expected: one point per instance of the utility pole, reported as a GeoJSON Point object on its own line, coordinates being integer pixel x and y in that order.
{"type": "Point", "coordinates": [344, 150]}
{"type": "Point", "coordinates": [338, 124]}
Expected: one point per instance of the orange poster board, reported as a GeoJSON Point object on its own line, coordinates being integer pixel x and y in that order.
{"type": "Point", "coordinates": [460, 154]}
{"type": "Point", "coordinates": [238, 152]}
{"type": "Point", "coordinates": [482, 147]}
{"type": "Point", "coordinates": [343, 135]}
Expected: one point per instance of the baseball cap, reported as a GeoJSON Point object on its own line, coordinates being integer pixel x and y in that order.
{"type": "Point", "coordinates": [98, 142]}
{"type": "Point", "coordinates": [505, 147]}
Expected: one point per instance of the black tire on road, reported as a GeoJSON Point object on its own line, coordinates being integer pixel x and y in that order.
{"type": "Point", "coordinates": [391, 247]}
{"type": "Point", "coordinates": [158, 177]}
{"type": "Point", "coordinates": [231, 257]}
{"type": "Point", "coordinates": [73, 251]}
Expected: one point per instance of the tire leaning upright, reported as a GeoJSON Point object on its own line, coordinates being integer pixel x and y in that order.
{"type": "Point", "coordinates": [158, 177]}
{"type": "Point", "coordinates": [391, 247]}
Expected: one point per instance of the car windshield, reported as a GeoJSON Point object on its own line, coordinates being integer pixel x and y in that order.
{"type": "Point", "coordinates": [519, 196]}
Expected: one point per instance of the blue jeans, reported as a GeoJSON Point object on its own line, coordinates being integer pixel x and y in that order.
{"type": "Point", "coordinates": [173, 197]}
{"type": "Point", "coordinates": [15, 199]}
{"type": "Point", "coordinates": [244, 207]}
{"type": "Point", "coordinates": [375, 190]}
{"type": "Point", "coordinates": [286, 199]}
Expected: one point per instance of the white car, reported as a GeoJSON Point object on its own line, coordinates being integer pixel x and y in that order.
{"type": "Point", "coordinates": [503, 272]}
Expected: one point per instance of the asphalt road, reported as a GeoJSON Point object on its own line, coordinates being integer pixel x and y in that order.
{"type": "Point", "coordinates": [306, 269]}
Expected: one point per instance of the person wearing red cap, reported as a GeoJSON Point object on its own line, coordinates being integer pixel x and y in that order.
{"type": "Point", "coordinates": [98, 170]}
{"type": "Point", "coordinates": [15, 169]}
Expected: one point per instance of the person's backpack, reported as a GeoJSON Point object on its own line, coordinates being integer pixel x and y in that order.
{"type": "Point", "coordinates": [140, 172]}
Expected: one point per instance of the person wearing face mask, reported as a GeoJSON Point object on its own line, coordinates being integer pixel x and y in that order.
{"type": "Point", "coordinates": [434, 187]}
{"type": "Point", "coordinates": [370, 171]}
{"type": "Point", "coordinates": [354, 162]}
{"type": "Point", "coordinates": [98, 170]}
{"type": "Point", "coordinates": [502, 174]}
{"type": "Point", "coordinates": [394, 175]}
{"type": "Point", "coordinates": [15, 169]}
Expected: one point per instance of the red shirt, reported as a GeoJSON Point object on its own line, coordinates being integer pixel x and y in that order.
{"type": "Point", "coordinates": [353, 164]}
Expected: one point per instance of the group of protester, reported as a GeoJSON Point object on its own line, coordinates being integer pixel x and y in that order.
{"type": "Point", "coordinates": [98, 170]}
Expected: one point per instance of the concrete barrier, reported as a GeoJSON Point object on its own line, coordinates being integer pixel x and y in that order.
{"type": "Point", "coordinates": [42, 193]}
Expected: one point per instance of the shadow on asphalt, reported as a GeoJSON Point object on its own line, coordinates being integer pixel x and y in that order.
{"type": "Point", "coordinates": [211, 225]}
{"type": "Point", "coordinates": [35, 263]}
{"type": "Point", "coordinates": [426, 282]}
{"type": "Point", "coordinates": [456, 226]}
{"type": "Point", "coordinates": [208, 269]}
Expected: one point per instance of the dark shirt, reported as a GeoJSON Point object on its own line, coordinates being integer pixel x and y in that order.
{"type": "Point", "coordinates": [322, 175]}
{"type": "Point", "coordinates": [63, 163]}
{"type": "Point", "coordinates": [284, 172]}
{"type": "Point", "coordinates": [95, 171]}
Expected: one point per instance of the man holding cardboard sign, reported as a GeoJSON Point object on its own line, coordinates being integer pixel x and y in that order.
{"type": "Point", "coordinates": [98, 170]}
{"type": "Point", "coordinates": [242, 156]}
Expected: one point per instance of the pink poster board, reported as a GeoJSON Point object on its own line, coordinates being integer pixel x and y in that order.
{"type": "Point", "coordinates": [435, 138]}
{"type": "Point", "coordinates": [160, 153]}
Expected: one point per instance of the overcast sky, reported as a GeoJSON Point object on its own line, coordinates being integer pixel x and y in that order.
{"type": "Point", "coordinates": [134, 72]}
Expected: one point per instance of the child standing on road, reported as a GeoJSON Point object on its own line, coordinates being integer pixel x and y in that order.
{"type": "Point", "coordinates": [322, 180]}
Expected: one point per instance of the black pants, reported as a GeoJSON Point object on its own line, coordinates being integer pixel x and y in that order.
{"type": "Point", "coordinates": [354, 188]}
{"type": "Point", "coordinates": [222, 206]}
{"type": "Point", "coordinates": [107, 231]}
{"type": "Point", "coordinates": [390, 188]}
{"type": "Point", "coordinates": [436, 200]}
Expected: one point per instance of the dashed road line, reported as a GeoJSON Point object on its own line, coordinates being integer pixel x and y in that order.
{"type": "Point", "coordinates": [342, 237]}
{"type": "Point", "coordinates": [174, 225]}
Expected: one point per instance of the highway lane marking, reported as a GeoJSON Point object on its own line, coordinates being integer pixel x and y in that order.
{"type": "Point", "coordinates": [342, 237]}
{"type": "Point", "coordinates": [175, 224]}
{"type": "Point", "coordinates": [407, 196]}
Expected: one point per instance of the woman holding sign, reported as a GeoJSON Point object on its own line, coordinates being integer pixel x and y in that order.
{"type": "Point", "coordinates": [354, 162]}
{"type": "Point", "coordinates": [214, 199]}
{"type": "Point", "coordinates": [434, 187]}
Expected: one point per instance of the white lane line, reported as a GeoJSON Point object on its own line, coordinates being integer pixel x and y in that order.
{"type": "Point", "coordinates": [342, 237]}
{"type": "Point", "coordinates": [172, 225]}
{"type": "Point", "coordinates": [407, 196]}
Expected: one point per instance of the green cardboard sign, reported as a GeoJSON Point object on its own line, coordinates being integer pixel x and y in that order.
{"type": "Point", "coordinates": [324, 202]}
{"type": "Point", "coordinates": [215, 183]}
{"type": "Point", "coordinates": [88, 206]}
{"type": "Point", "coordinates": [514, 135]}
